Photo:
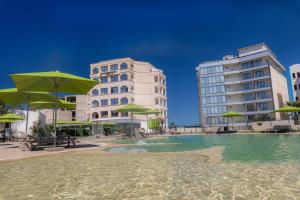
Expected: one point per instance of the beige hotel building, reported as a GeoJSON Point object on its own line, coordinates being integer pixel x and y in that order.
{"type": "Point", "coordinates": [123, 81]}
{"type": "Point", "coordinates": [251, 83]}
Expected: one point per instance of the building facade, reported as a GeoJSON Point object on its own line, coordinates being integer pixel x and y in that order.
{"type": "Point", "coordinates": [124, 81]}
{"type": "Point", "coordinates": [251, 83]}
{"type": "Point", "coordinates": [295, 81]}
{"type": "Point", "coordinates": [80, 113]}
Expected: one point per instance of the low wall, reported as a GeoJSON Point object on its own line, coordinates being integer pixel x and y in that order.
{"type": "Point", "coordinates": [189, 130]}
{"type": "Point", "coordinates": [267, 125]}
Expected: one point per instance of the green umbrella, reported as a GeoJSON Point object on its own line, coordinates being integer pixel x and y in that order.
{"type": "Point", "coordinates": [14, 97]}
{"type": "Point", "coordinates": [61, 104]}
{"type": "Point", "coordinates": [132, 108]}
{"type": "Point", "coordinates": [147, 113]}
{"type": "Point", "coordinates": [288, 109]}
{"type": "Point", "coordinates": [10, 118]}
{"type": "Point", "coordinates": [231, 115]}
{"type": "Point", "coordinates": [53, 81]}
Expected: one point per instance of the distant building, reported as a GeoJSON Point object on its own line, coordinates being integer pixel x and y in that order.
{"type": "Point", "coordinates": [80, 113]}
{"type": "Point", "coordinates": [295, 81]}
{"type": "Point", "coordinates": [251, 83]}
{"type": "Point", "coordinates": [123, 81]}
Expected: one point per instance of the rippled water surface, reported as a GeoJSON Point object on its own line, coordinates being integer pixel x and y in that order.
{"type": "Point", "coordinates": [176, 175]}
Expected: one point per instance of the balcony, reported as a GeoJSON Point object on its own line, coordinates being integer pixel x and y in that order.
{"type": "Point", "coordinates": [240, 69]}
{"type": "Point", "coordinates": [267, 75]}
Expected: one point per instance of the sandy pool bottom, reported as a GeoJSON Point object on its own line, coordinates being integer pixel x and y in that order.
{"type": "Point", "coordinates": [94, 175]}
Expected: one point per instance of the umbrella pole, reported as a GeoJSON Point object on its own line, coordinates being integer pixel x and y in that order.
{"type": "Point", "coordinates": [147, 123]}
{"type": "Point", "coordinates": [27, 113]}
{"type": "Point", "coordinates": [55, 120]}
{"type": "Point", "coordinates": [131, 127]}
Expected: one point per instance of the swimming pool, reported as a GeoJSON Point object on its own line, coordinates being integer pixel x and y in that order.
{"type": "Point", "coordinates": [260, 148]}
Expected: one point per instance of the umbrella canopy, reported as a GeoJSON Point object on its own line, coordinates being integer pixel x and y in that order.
{"type": "Point", "coordinates": [147, 112]}
{"type": "Point", "coordinates": [232, 114]}
{"type": "Point", "coordinates": [60, 104]}
{"type": "Point", "coordinates": [14, 97]}
{"type": "Point", "coordinates": [53, 81]}
{"type": "Point", "coordinates": [287, 109]}
{"type": "Point", "coordinates": [132, 108]}
{"type": "Point", "coordinates": [10, 117]}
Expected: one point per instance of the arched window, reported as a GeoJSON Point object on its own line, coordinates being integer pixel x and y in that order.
{"type": "Point", "coordinates": [95, 70]}
{"type": "Point", "coordinates": [123, 66]}
{"type": "Point", "coordinates": [95, 115]}
{"type": "Point", "coordinates": [124, 100]}
{"type": "Point", "coordinates": [124, 77]}
{"type": "Point", "coordinates": [95, 103]}
{"type": "Point", "coordinates": [124, 89]}
{"type": "Point", "coordinates": [95, 92]}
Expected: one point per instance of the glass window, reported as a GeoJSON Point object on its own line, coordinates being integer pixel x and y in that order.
{"type": "Point", "coordinates": [295, 87]}
{"type": "Point", "coordinates": [259, 73]}
{"type": "Point", "coordinates": [216, 120]}
{"type": "Point", "coordinates": [213, 89]}
{"type": "Point", "coordinates": [214, 99]}
{"type": "Point", "coordinates": [124, 100]}
{"type": "Point", "coordinates": [114, 67]}
{"type": "Point", "coordinates": [124, 77]}
{"type": "Point", "coordinates": [104, 69]}
{"type": "Point", "coordinates": [249, 96]}
{"type": "Point", "coordinates": [212, 69]}
{"type": "Point", "coordinates": [95, 115]}
{"type": "Point", "coordinates": [294, 75]}
{"type": "Point", "coordinates": [263, 106]}
{"type": "Point", "coordinates": [114, 101]}
{"type": "Point", "coordinates": [214, 109]}
{"type": "Point", "coordinates": [104, 102]}
{"type": "Point", "coordinates": [104, 90]}
{"type": "Point", "coordinates": [212, 79]}
{"type": "Point", "coordinates": [104, 113]}
{"type": "Point", "coordinates": [262, 95]}
{"type": "Point", "coordinates": [114, 78]}
{"type": "Point", "coordinates": [104, 79]}
{"type": "Point", "coordinates": [261, 84]}
{"type": "Point", "coordinates": [95, 92]}
{"type": "Point", "coordinates": [95, 103]}
{"type": "Point", "coordinates": [156, 89]}
{"type": "Point", "coordinates": [251, 64]}
{"type": "Point", "coordinates": [248, 86]}
{"type": "Point", "coordinates": [95, 70]}
{"type": "Point", "coordinates": [114, 90]}
{"type": "Point", "coordinates": [124, 89]}
{"type": "Point", "coordinates": [123, 66]}
{"type": "Point", "coordinates": [156, 101]}
{"type": "Point", "coordinates": [247, 75]}
{"type": "Point", "coordinates": [114, 113]}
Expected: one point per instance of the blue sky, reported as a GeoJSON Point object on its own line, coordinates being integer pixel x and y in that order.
{"type": "Point", "coordinates": [172, 35]}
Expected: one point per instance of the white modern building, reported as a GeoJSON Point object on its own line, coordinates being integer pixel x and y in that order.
{"type": "Point", "coordinates": [295, 81]}
{"type": "Point", "coordinates": [123, 81]}
{"type": "Point", "coordinates": [252, 83]}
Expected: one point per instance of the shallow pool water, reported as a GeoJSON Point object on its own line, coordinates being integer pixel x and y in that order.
{"type": "Point", "coordinates": [160, 176]}
{"type": "Point", "coordinates": [260, 148]}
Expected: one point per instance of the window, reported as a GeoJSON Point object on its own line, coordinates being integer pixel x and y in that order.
{"type": "Point", "coordinates": [156, 89]}
{"type": "Point", "coordinates": [104, 79]}
{"type": "Point", "coordinates": [104, 102]}
{"type": "Point", "coordinates": [95, 70]}
{"type": "Point", "coordinates": [248, 86]}
{"type": "Point", "coordinates": [114, 78]}
{"type": "Point", "coordinates": [123, 66]}
{"type": "Point", "coordinates": [124, 100]}
{"type": "Point", "coordinates": [155, 79]}
{"type": "Point", "coordinates": [132, 100]}
{"type": "Point", "coordinates": [104, 113]}
{"type": "Point", "coordinates": [114, 67]}
{"type": "Point", "coordinates": [212, 79]}
{"type": "Point", "coordinates": [249, 96]}
{"type": "Point", "coordinates": [247, 76]}
{"type": "Point", "coordinates": [212, 69]}
{"type": "Point", "coordinates": [104, 90]}
{"type": "Point", "coordinates": [124, 77]}
{"type": "Point", "coordinates": [298, 74]}
{"type": "Point", "coordinates": [114, 90]}
{"type": "Point", "coordinates": [114, 113]}
{"type": "Point", "coordinates": [261, 84]}
{"type": "Point", "coordinates": [95, 92]}
{"type": "Point", "coordinates": [114, 101]}
{"type": "Point", "coordinates": [213, 89]}
{"type": "Point", "coordinates": [294, 75]}
{"type": "Point", "coordinates": [216, 120]}
{"type": "Point", "coordinates": [214, 109]}
{"type": "Point", "coordinates": [262, 95]}
{"type": "Point", "coordinates": [95, 115]}
{"type": "Point", "coordinates": [295, 87]}
{"type": "Point", "coordinates": [251, 64]}
{"type": "Point", "coordinates": [124, 114]}
{"type": "Point", "coordinates": [124, 89]}
{"type": "Point", "coordinates": [214, 99]}
{"type": "Point", "coordinates": [95, 103]}
{"type": "Point", "coordinates": [263, 106]}
{"type": "Point", "coordinates": [104, 69]}
{"type": "Point", "coordinates": [259, 73]}
{"type": "Point", "coordinates": [297, 98]}
{"type": "Point", "coordinates": [156, 101]}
